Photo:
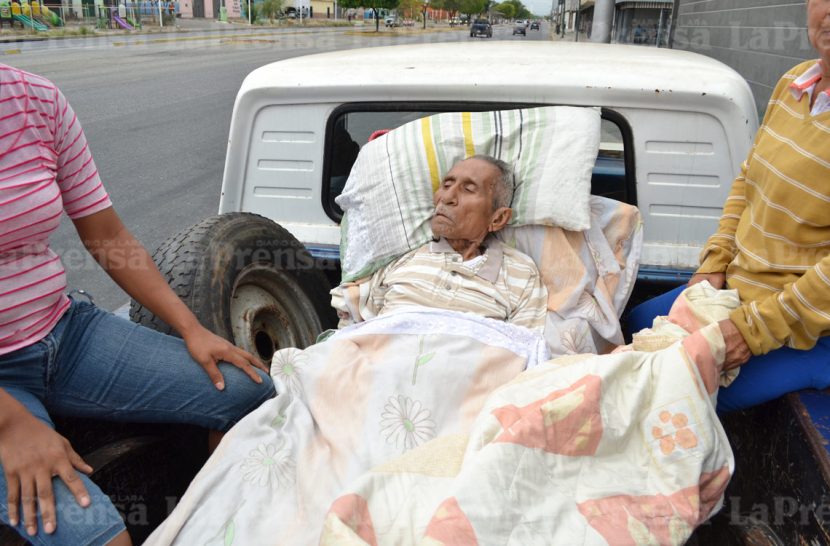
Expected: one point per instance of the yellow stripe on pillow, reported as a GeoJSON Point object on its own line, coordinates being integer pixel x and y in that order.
{"type": "Point", "coordinates": [429, 148]}
{"type": "Point", "coordinates": [467, 124]}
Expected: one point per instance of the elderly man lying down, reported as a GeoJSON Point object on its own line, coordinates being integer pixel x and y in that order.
{"type": "Point", "coordinates": [465, 268]}
{"type": "Point", "coordinates": [415, 423]}
{"type": "Point", "coordinates": [422, 343]}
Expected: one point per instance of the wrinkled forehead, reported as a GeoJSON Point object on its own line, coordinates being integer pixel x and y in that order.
{"type": "Point", "coordinates": [476, 170]}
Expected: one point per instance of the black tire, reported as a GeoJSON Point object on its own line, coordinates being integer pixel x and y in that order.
{"type": "Point", "coordinates": [246, 279]}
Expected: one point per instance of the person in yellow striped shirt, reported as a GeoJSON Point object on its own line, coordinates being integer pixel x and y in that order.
{"type": "Point", "coordinates": [773, 241]}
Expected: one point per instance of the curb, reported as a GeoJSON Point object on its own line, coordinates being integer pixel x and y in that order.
{"type": "Point", "coordinates": [241, 28]}
{"type": "Point", "coordinates": [23, 39]}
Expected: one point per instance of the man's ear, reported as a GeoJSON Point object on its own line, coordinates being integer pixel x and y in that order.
{"type": "Point", "coordinates": [500, 218]}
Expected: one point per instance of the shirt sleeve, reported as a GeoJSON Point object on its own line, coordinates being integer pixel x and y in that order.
{"type": "Point", "coordinates": [767, 324]}
{"type": "Point", "coordinates": [81, 188]}
{"type": "Point", "coordinates": [720, 249]}
{"type": "Point", "coordinates": [359, 300]}
{"type": "Point", "coordinates": [532, 306]}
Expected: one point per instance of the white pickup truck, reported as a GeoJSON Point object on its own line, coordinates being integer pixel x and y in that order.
{"type": "Point", "coordinates": [675, 128]}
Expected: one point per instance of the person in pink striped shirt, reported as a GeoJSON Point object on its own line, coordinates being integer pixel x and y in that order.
{"type": "Point", "coordinates": [59, 356]}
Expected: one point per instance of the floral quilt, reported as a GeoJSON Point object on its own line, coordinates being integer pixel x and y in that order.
{"type": "Point", "coordinates": [620, 449]}
{"type": "Point", "coordinates": [421, 428]}
{"type": "Point", "coordinates": [362, 397]}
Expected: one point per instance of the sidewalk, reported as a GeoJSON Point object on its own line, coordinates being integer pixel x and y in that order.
{"type": "Point", "coordinates": [73, 30]}
{"type": "Point", "coordinates": [569, 37]}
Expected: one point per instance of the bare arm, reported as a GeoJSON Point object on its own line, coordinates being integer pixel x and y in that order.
{"type": "Point", "coordinates": [125, 260]}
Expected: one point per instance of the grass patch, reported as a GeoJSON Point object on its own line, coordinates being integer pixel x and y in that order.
{"type": "Point", "coordinates": [64, 32]}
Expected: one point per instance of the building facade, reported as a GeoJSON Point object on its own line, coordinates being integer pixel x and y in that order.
{"type": "Point", "coordinates": [642, 22]}
{"type": "Point", "coordinates": [761, 39]}
{"type": "Point", "coordinates": [645, 22]}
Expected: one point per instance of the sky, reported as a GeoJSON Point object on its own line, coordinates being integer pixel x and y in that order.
{"type": "Point", "coordinates": [538, 7]}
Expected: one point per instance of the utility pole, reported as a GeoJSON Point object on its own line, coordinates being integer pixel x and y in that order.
{"type": "Point", "coordinates": [673, 26]}
{"type": "Point", "coordinates": [603, 20]}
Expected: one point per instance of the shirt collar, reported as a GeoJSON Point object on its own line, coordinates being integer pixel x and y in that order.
{"type": "Point", "coordinates": [806, 82]}
{"type": "Point", "coordinates": [489, 270]}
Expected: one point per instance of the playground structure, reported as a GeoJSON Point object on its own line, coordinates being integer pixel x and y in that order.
{"type": "Point", "coordinates": [35, 17]}
{"type": "Point", "coordinates": [32, 16]}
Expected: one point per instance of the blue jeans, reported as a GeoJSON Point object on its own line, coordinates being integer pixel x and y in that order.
{"type": "Point", "coordinates": [763, 377]}
{"type": "Point", "coordinates": [94, 364]}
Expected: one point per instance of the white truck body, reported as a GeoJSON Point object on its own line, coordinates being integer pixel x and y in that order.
{"type": "Point", "coordinates": [691, 121]}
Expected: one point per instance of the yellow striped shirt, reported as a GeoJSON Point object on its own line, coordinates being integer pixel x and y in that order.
{"type": "Point", "coordinates": [773, 240]}
{"type": "Point", "coordinates": [505, 285]}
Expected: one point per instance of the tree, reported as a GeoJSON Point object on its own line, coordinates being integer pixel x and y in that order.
{"type": "Point", "coordinates": [507, 10]}
{"type": "Point", "coordinates": [410, 8]}
{"type": "Point", "coordinates": [473, 7]}
{"type": "Point", "coordinates": [451, 6]}
{"type": "Point", "coordinates": [270, 9]}
{"type": "Point", "coordinates": [374, 5]}
{"type": "Point", "coordinates": [519, 10]}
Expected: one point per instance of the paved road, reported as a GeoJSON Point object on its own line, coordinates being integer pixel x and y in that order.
{"type": "Point", "coordinates": [156, 110]}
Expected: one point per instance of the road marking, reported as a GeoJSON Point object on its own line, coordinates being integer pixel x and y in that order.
{"type": "Point", "coordinates": [225, 36]}
{"type": "Point", "coordinates": [12, 52]}
{"type": "Point", "coordinates": [247, 41]}
{"type": "Point", "coordinates": [397, 33]}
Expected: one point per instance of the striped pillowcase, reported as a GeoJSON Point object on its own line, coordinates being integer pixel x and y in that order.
{"type": "Point", "coordinates": [387, 201]}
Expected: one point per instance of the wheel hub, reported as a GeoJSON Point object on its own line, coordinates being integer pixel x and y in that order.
{"type": "Point", "coordinates": [270, 312]}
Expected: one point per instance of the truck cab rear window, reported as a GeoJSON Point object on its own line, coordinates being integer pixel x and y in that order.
{"type": "Point", "coordinates": [350, 128]}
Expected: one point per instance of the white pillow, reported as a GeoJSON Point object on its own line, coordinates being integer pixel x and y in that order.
{"type": "Point", "coordinates": [387, 200]}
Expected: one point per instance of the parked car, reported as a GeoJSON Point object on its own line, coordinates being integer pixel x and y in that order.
{"type": "Point", "coordinates": [481, 27]}
{"type": "Point", "coordinates": [520, 28]}
{"type": "Point", "coordinates": [535, 25]}
{"type": "Point", "coordinates": [259, 272]}
{"type": "Point", "coordinates": [392, 22]}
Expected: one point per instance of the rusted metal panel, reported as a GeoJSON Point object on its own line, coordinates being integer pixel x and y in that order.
{"type": "Point", "coordinates": [780, 493]}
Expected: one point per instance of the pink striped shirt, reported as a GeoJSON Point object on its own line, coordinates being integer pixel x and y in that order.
{"type": "Point", "coordinates": [45, 168]}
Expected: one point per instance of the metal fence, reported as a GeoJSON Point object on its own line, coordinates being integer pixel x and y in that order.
{"type": "Point", "coordinates": [125, 16]}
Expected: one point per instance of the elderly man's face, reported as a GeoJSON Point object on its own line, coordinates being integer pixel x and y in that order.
{"type": "Point", "coordinates": [818, 26]}
{"type": "Point", "coordinates": [464, 201]}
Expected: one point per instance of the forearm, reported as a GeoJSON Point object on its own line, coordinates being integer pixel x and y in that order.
{"type": "Point", "coordinates": [359, 300]}
{"type": "Point", "coordinates": [11, 411]}
{"type": "Point", "coordinates": [129, 264]}
{"type": "Point", "coordinates": [802, 306]}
